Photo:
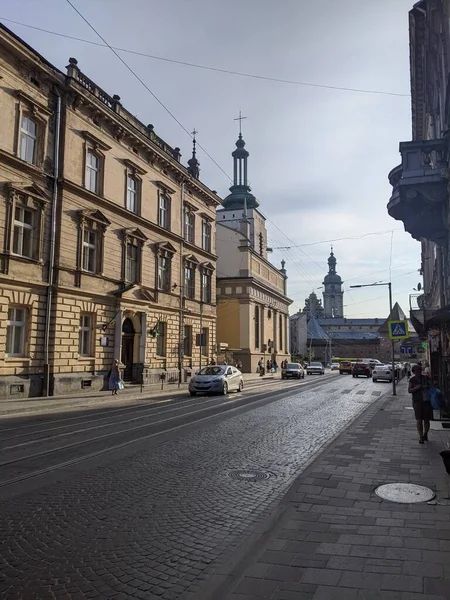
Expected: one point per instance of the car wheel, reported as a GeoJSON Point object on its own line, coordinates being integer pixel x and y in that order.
{"type": "Point", "coordinates": [368, 376]}
{"type": "Point", "coordinates": [225, 388]}
{"type": "Point", "coordinates": [303, 376]}
{"type": "Point", "coordinates": [241, 386]}
{"type": "Point", "coordinates": [193, 393]}
{"type": "Point", "coordinates": [341, 372]}
{"type": "Point", "coordinates": [373, 379]}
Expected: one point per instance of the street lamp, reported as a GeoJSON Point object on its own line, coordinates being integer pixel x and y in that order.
{"type": "Point", "coordinates": [388, 283]}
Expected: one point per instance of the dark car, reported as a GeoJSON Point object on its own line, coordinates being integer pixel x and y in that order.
{"type": "Point", "coordinates": [345, 367]}
{"type": "Point", "coordinates": [294, 370]}
{"type": "Point", "coordinates": [361, 369]}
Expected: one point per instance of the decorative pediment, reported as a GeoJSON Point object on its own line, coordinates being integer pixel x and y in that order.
{"type": "Point", "coordinates": [96, 142]}
{"type": "Point", "coordinates": [35, 106]}
{"type": "Point", "coordinates": [206, 217]}
{"type": "Point", "coordinates": [24, 188]}
{"type": "Point", "coordinates": [134, 233]}
{"type": "Point", "coordinates": [190, 207]}
{"type": "Point", "coordinates": [190, 258]}
{"type": "Point", "coordinates": [165, 247]}
{"type": "Point", "coordinates": [164, 187]}
{"type": "Point", "coordinates": [208, 266]}
{"type": "Point", "coordinates": [94, 215]}
{"type": "Point", "coordinates": [133, 167]}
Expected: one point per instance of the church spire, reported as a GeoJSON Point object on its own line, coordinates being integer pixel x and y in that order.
{"type": "Point", "coordinates": [332, 263]}
{"type": "Point", "coordinates": [193, 164]}
{"type": "Point", "coordinates": [240, 190]}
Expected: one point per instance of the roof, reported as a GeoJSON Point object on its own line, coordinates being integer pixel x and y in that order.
{"type": "Point", "coordinates": [353, 335]}
{"type": "Point", "coordinates": [396, 314]}
{"type": "Point", "coordinates": [315, 331]}
{"type": "Point", "coordinates": [350, 322]}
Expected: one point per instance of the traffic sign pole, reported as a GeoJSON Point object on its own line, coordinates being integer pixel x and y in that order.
{"type": "Point", "coordinates": [394, 387]}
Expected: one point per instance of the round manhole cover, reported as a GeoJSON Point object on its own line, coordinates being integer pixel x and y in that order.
{"type": "Point", "coordinates": [248, 474]}
{"type": "Point", "coordinates": [405, 493]}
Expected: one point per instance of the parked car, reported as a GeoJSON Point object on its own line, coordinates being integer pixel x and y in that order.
{"type": "Point", "coordinates": [293, 371]}
{"type": "Point", "coordinates": [217, 379]}
{"type": "Point", "coordinates": [360, 368]}
{"type": "Point", "coordinates": [335, 366]}
{"type": "Point", "coordinates": [382, 373]}
{"type": "Point", "coordinates": [315, 368]}
{"type": "Point", "coordinates": [345, 367]}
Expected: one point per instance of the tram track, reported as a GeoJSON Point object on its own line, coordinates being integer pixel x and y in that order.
{"type": "Point", "coordinates": [229, 405]}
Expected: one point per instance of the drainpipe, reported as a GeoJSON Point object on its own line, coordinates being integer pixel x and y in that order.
{"type": "Point", "coordinates": [51, 262]}
{"type": "Point", "coordinates": [181, 315]}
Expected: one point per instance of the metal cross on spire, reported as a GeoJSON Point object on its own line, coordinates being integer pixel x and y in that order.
{"type": "Point", "coordinates": [240, 118]}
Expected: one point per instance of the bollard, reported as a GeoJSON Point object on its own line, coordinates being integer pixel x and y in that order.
{"type": "Point", "coordinates": [163, 378]}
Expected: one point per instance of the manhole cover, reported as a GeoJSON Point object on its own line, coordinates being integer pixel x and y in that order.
{"type": "Point", "coordinates": [361, 392]}
{"type": "Point", "coordinates": [405, 493]}
{"type": "Point", "coordinates": [376, 393]}
{"type": "Point", "coordinates": [248, 474]}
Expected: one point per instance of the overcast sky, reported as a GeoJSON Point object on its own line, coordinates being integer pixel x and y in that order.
{"type": "Point", "coordinates": [319, 158]}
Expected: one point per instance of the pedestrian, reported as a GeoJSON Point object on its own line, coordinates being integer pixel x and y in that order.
{"type": "Point", "coordinates": [239, 365]}
{"type": "Point", "coordinates": [427, 370]}
{"type": "Point", "coordinates": [423, 411]}
{"type": "Point", "coordinates": [275, 366]}
{"type": "Point", "coordinates": [114, 378]}
{"type": "Point", "coordinates": [268, 365]}
{"type": "Point", "coordinates": [212, 361]}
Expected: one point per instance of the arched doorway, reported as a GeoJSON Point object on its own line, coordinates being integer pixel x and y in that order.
{"type": "Point", "coordinates": [128, 333]}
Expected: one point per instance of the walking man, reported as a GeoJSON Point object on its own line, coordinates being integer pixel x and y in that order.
{"type": "Point", "coordinates": [423, 411]}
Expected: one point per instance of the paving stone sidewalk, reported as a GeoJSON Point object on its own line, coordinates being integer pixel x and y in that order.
{"type": "Point", "coordinates": [337, 540]}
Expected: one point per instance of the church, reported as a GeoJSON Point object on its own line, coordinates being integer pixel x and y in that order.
{"type": "Point", "coordinates": [252, 301]}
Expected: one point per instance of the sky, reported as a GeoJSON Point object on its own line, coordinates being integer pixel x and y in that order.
{"type": "Point", "coordinates": [319, 157]}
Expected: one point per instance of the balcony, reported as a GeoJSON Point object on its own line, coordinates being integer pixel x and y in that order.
{"type": "Point", "coordinates": [419, 190]}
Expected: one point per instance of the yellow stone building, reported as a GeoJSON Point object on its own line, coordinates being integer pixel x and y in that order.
{"type": "Point", "coordinates": [108, 241]}
{"type": "Point", "coordinates": [252, 302]}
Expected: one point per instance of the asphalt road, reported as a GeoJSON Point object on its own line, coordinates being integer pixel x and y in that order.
{"type": "Point", "coordinates": [150, 501]}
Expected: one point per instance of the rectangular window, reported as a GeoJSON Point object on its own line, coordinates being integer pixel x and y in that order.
{"type": "Point", "coordinates": [85, 336]}
{"type": "Point", "coordinates": [205, 340]}
{"type": "Point", "coordinates": [257, 327]}
{"type": "Point", "coordinates": [23, 238]}
{"type": "Point", "coordinates": [206, 286]}
{"type": "Point", "coordinates": [280, 340]}
{"type": "Point", "coordinates": [164, 273]}
{"type": "Point", "coordinates": [132, 194]}
{"type": "Point", "coordinates": [89, 250]}
{"type": "Point", "coordinates": [189, 282]}
{"type": "Point", "coordinates": [187, 342]}
{"type": "Point", "coordinates": [189, 225]}
{"type": "Point", "coordinates": [206, 236]}
{"type": "Point", "coordinates": [161, 339]}
{"type": "Point", "coordinates": [132, 263]}
{"type": "Point", "coordinates": [93, 172]}
{"type": "Point", "coordinates": [164, 211]}
{"type": "Point", "coordinates": [28, 138]}
{"type": "Point", "coordinates": [15, 332]}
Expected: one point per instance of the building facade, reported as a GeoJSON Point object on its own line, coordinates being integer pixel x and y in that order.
{"type": "Point", "coordinates": [252, 302]}
{"type": "Point", "coordinates": [420, 184]}
{"type": "Point", "coordinates": [108, 240]}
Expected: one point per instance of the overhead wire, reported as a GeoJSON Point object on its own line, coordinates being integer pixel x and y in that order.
{"type": "Point", "coordinates": [210, 68]}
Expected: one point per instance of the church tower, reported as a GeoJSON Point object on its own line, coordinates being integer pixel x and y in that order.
{"type": "Point", "coordinates": [333, 296]}
{"type": "Point", "coordinates": [240, 207]}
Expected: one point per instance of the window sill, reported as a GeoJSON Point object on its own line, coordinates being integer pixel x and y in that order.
{"type": "Point", "coordinates": [86, 358]}
{"type": "Point", "coordinates": [20, 359]}
{"type": "Point", "coordinates": [19, 257]}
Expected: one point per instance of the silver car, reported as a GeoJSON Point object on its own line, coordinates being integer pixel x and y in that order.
{"type": "Point", "coordinates": [315, 367]}
{"type": "Point", "coordinates": [382, 373]}
{"type": "Point", "coordinates": [216, 379]}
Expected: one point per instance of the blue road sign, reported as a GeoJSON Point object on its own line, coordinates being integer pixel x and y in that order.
{"type": "Point", "coordinates": [398, 330]}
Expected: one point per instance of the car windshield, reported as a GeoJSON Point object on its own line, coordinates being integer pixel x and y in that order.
{"type": "Point", "coordinates": [292, 366]}
{"type": "Point", "coordinates": [316, 365]}
{"type": "Point", "coordinates": [211, 371]}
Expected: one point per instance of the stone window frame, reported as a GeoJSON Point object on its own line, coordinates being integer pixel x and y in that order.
{"type": "Point", "coordinates": [188, 224]}
{"type": "Point", "coordinates": [136, 172]}
{"type": "Point", "coordinates": [137, 238]}
{"type": "Point", "coordinates": [30, 198]}
{"type": "Point", "coordinates": [190, 262]}
{"type": "Point", "coordinates": [164, 250]}
{"type": "Point", "coordinates": [161, 339]}
{"type": "Point", "coordinates": [97, 222]}
{"type": "Point", "coordinates": [206, 222]}
{"type": "Point", "coordinates": [187, 340]}
{"type": "Point", "coordinates": [91, 339]}
{"type": "Point", "coordinates": [207, 269]}
{"type": "Point", "coordinates": [166, 192]}
{"type": "Point", "coordinates": [205, 331]}
{"type": "Point", "coordinates": [25, 337]}
{"type": "Point", "coordinates": [98, 148]}
{"type": "Point", "coordinates": [40, 114]}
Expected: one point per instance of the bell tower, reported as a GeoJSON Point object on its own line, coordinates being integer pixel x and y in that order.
{"type": "Point", "coordinates": [333, 295]}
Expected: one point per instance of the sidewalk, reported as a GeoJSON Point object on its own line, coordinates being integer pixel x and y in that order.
{"type": "Point", "coordinates": [337, 540]}
{"type": "Point", "coordinates": [131, 394]}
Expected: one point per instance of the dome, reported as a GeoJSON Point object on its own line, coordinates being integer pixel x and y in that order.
{"type": "Point", "coordinates": [332, 278]}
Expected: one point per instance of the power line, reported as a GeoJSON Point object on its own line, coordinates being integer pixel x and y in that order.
{"type": "Point", "coordinates": [356, 237]}
{"type": "Point", "coordinates": [206, 67]}
{"type": "Point", "coordinates": [160, 102]}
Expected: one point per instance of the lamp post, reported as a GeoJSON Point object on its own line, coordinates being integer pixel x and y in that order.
{"type": "Point", "coordinates": [388, 283]}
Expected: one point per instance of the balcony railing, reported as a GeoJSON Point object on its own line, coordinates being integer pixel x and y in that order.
{"type": "Point", "coordinates": [419, 189]}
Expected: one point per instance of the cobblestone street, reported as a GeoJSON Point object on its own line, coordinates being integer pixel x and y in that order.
{"type": "Point", "coordinates": [159, 522]}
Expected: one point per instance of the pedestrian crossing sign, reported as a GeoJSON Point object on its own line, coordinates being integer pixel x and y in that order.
{"type": "Point", "coordinates": [398, 330]}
